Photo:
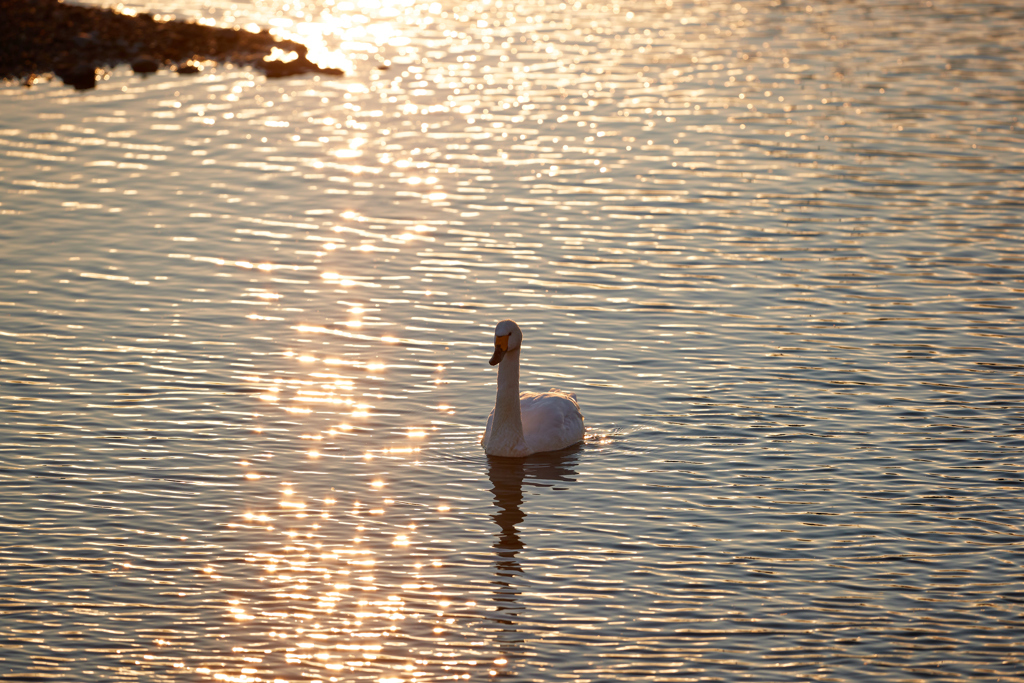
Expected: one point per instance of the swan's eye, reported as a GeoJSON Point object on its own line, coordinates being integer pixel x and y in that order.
{"type": "Point", "coordinates": [501, 342]}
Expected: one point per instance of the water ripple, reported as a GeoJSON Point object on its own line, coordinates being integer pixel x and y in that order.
{"type": "Point", "coordinates": [772, 247]}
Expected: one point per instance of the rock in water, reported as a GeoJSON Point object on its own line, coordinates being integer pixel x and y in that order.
{"type": "Point", "coordinates": [144, 64]}
{"type": "Point", "coordinates": [79, 76]}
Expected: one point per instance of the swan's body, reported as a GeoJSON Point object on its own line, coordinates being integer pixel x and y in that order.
{"type": "Point", "coordinates": [531, 422]}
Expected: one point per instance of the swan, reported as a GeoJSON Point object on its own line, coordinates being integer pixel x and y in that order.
{"type": "Point", "coordinates": [530, 422]}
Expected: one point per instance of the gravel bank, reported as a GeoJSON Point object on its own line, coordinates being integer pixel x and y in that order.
{"type": "Point", "coordinates": [41, 37]}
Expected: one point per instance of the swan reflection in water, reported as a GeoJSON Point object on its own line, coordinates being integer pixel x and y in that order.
{"type": "Point", "coordinates": [508, 475]}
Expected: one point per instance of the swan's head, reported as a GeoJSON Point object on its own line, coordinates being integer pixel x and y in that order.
{"type": "Point", "coordinates": [507, 337]}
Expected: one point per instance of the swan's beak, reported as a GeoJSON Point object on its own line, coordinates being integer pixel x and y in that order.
{"type": "Point", "coordinates": [500, 347]}
{"type": "Point", "coordinates": [499, 353]}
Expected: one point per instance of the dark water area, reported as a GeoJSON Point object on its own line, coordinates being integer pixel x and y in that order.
{"type": "Point", "coordinates": [775, 250]}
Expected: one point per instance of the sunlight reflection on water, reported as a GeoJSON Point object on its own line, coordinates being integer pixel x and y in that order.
{"type": "Point", "coordinates": [774, 249]}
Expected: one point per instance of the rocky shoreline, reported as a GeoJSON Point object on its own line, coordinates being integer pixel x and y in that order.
{"type": "Point", "coordinates": [42, 37]}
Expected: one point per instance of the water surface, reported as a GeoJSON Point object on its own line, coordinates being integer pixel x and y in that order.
{"type": "Point", "coordinates": [774, 248]}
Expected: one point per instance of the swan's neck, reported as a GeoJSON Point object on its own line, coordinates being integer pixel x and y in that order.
{"type": "Point", "coordinates": [507, 429]}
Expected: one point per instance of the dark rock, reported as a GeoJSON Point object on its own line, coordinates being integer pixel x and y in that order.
{"type": "Point", "coordinates": [299, 65]}
{"type": "Point", "coordinates": [41, 36]}
{"type": "Point", "coordinates": [144, 64]}
{"type": "Point", "coordinates": [79, 76]}
{"type": "Point", "coordinates": [278, 69]}
{"type": "Point", "coordinates": [189, 68]}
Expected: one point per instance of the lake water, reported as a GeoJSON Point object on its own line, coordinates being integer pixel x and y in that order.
{"type": "Point", "coordinates": [775, 248]}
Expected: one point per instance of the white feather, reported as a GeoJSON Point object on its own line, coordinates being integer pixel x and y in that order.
{"type": "Point", "coordinates": [538, 421]}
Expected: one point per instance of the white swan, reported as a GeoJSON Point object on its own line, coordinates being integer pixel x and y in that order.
{"type": "Point", "coordinates": [531, 422]}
